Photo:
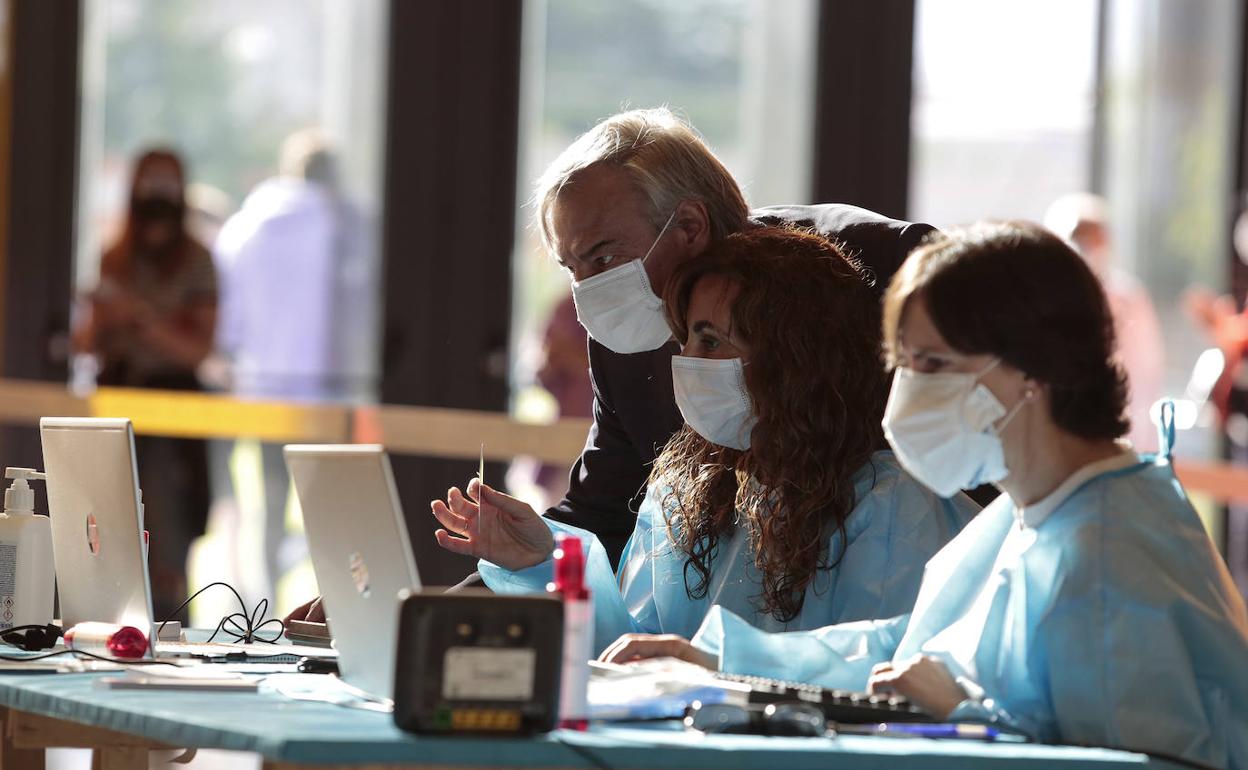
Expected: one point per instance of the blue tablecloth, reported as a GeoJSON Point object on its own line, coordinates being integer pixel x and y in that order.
{"type": "Point", "coordinates": [319, 733]}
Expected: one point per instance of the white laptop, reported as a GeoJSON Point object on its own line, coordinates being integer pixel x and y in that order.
{"type": "Point", "coordinates": [360, 552]}
{"type": "Point", "coordinates": [97, 533]}
{"type": "Point", "coordinates": [97, 527]}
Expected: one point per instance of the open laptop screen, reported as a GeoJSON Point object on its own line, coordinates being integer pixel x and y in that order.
{"type": "Point", "coordinates": [358, 541]}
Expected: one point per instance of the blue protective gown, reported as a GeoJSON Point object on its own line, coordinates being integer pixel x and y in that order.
{"type": "Point", "coordinates": [894, 529]}
{"type": "Point", "coordinates": [1102, 615]}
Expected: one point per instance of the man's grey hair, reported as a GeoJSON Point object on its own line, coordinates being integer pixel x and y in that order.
{"type": "Point", "coordinates": [663, 155]}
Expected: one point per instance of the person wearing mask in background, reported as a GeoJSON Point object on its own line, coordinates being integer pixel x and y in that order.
{"type": "Point", "coordinates": [1082, 219]}
{"type": "Point", "coordinates": [626, 203]}
{"type": "Point", "coordinates": [559, 364]}
{"type": "Point", "coordinates": [774, 499]}
{"type": "Point", "coordinates": [149, 324]}
{"type": "Point", "coordinates": [1087, 605]}
{"type": "Point", "coordinates": [294, 300]}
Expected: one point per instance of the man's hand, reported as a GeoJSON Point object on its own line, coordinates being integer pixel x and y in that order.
{"type": "Point", "coordinates": [923, 679]}
{"type": "Point", "coordinates": [309, 612]}
{"type": "Point", "coordinates": [493, 526]}
{"type": "Point", "coordinates": [633, 647]}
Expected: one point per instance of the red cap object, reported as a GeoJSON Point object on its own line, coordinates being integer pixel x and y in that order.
{"type": "Point", "coordinates": [570, 567]}
{"type": "Point", "coordinates": [119, 641]}
{"type": "Point", "coordinates": [128, 642]}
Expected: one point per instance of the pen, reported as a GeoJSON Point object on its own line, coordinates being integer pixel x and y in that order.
{"type": "Point", "coordinates": [922, 730]}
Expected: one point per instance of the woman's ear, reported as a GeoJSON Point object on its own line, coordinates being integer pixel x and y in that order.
{"type": "Point", "coordinates": [1033, 388]}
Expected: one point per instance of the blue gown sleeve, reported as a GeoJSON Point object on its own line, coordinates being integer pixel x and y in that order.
{"type": "Point", "coordinates": [1135, 661]}
{"type": "Point", "coordinates": [1127, 657]}
{"type": "Point", "coordinates": [620, 607]}
{"type": "Point", "coordinates": [839, 656]}
{"type": "Point", "coordinates": [880, 573]}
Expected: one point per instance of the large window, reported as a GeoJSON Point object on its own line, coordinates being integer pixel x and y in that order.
{"type": "Point", "coordinates": [224, 84]}
{"type": "Point", "coordinates": [1004, 97]}
{"type": "Point", "coordinates": [1170, 88]}
{"type": "Point", "coordinates": [276, 111]}
{"type": "Point", "coordinates": [1005, 105]}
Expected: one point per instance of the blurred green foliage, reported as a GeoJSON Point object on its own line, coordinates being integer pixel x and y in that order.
{"type": "Point", "coordinates": [175, 77]}
{"type": "Point", "coordinates": [602, 57]}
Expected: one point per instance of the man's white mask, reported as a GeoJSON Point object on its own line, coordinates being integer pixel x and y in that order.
{"type": "Point", "coordinates": [619, 309]}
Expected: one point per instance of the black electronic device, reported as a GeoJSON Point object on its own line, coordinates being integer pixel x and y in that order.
{"type": "Point", "coordinates": [478, 662]}
{"type": "Point", "coordinates": [840, 706]}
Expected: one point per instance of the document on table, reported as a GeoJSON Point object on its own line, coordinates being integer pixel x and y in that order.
{"type": "Point", "coordinates": [159, 677]}
{"type": "Point", "coordinates": [255, 651]}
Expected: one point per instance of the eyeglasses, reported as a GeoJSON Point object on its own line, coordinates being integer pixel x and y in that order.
{"type": "Point", "coordinates": [778, 719]}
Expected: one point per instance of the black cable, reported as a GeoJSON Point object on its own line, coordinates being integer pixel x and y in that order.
{"type": "Point", "coordinates": [84, 653]}
{"type": "Point", "coordinates": [243, 657]}
{"type": "Point", "coordinates": [243, 625]}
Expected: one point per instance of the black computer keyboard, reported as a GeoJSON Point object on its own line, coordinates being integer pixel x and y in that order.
{"type": "Point", "coordinates": [838, 705]}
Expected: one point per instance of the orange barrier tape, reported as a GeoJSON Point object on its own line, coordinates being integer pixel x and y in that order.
{"type": "Point", "coordinates": [432, 432]}
{"type": "Point", "coordinates": [24, 402]}
{"type": "Point", "coordinates": [459, 434]}
{"type": "Point", "coordinates": [428, 431]}
{"type": "Point", "coordinates": [1220, 481]}
{"type": "Point", "coordinates": [201, 415]}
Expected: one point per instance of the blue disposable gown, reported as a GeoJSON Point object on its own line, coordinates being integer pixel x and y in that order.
{"type": "Point", "coordinates": [894, 529]}
{"type": "Point", "coordinates": [1112, 620]}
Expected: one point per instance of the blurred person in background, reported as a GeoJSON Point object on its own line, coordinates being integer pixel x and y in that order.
{"type": "Point", "coordinates": [207, 208]}
{"type": "Point", "coordinates": [562, 370]}
{"type": "Point", "coordinates": [294, 303]}
{"type": "Point", "coordinates": [1082, 219]}
{"type": "Point", "coordinates": [149, 324]}
{"type": "Point", "coordinates": [1227, 326]}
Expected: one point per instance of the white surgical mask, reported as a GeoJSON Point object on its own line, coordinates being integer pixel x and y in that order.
{"type": "Point", "coordinates": [945, 429]}
{"type": "Point", "coordinates": [619, 309]}
{"type": "Point", "coordinates": [713, 400]}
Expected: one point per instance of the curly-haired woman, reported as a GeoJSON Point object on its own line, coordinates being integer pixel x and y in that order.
{"type": "Point", "coordinates": [775, 500]}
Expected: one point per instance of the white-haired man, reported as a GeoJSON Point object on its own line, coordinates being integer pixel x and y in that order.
{"type": "Point", "coordinates": [625, 203]}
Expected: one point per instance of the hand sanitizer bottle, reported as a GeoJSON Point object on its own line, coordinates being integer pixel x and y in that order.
{"type": "Point", "coordinates": [27, 572]}
{"type": "Point", "coordinates": [578, 632]}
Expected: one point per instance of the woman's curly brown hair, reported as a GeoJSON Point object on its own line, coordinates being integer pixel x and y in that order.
{"type": "Point", "coordinates": [811, 321]}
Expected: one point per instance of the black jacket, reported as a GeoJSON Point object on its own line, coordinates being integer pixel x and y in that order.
{"type": "Point", "coordinates": [634, 408]}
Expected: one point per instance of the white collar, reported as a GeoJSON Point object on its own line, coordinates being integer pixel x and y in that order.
{"type": "Point", "coordinates": [1033, 515]}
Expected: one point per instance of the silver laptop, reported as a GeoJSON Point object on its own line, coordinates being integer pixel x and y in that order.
{"type": "Point", "coordinates": [97, 526]}
{"type": "Point", "coordinates": [360, 552]}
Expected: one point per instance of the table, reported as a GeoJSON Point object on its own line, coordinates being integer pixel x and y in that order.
{"type": "Point", "coordinates": [67, 710]}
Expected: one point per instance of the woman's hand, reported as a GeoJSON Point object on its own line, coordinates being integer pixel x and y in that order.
{"type": "Point", "coordinates": [634, 647]}
{"type": "Point", "coordinates": [493, 526]}
{"type": "Point", "coordinates": [116, 307]}
{"type": "Point", "coordinates": [923, 679]}
{"type": "Point", "coordinates": [311, 611]}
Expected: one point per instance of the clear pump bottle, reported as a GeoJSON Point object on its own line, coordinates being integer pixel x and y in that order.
{"type": "Point", "coordinates": [27, 571]}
